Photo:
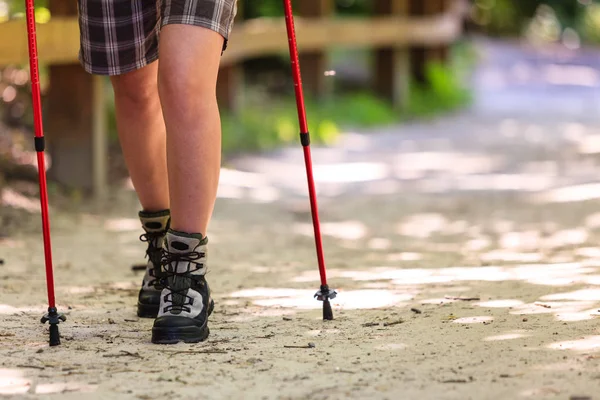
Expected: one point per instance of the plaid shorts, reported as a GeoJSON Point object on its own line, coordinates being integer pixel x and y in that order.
{"type": "Point", "coordinates": [119, 36]}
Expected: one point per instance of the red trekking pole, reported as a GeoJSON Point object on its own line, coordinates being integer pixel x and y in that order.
{"type": "Point", "coordinates": [325, 293]}
{"type": "Point", "coordinates": [52, 317]}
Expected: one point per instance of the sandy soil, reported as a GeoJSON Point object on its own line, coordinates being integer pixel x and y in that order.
{"type": "Point", "coordinates": [465, 253]}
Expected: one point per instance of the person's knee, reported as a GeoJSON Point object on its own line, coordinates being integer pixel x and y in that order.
{"type": "Point", "coordinates": [178, 83]}
{"type": "Point", "coordinates": [138, 88]}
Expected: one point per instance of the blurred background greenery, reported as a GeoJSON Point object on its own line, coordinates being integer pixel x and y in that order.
{"type": "Point", "coordinates": [267, 118]}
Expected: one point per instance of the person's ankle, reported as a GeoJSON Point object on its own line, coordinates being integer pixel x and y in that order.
{"type": "Point", "coordinates": [182, 233]}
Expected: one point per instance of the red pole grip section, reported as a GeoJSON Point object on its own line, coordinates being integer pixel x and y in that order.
{"type": "Point", "coordinates": [34, 70]}
{"type": "Point", "coordinates": [39, 132]}
{"type": "Point", "coordinates": [289, 20]}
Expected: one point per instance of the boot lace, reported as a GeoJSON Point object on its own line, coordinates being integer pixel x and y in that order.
{"type": "Point", "coordinates": [153, 252]}
{"type": "Point", "coordinates": [178, 283]}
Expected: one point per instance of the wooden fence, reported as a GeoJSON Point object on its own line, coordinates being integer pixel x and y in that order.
{"type": "Point", "coordinates": [404, 34]}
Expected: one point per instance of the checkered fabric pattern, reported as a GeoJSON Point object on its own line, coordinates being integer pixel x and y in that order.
{"type": "Point", "coordinates": [119, 36]}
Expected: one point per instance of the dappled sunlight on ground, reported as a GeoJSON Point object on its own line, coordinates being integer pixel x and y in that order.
{"type": "Point", "coordinates": [563, 311]}
{"type": "Point", "coordinates": [350, 172]}
{"type": "Point", "coordinates": [474, 320]}
{"type": "Point", "coordinates": [235, 184]}
{"type": "Point", "coordinates": [590, 252]}
{"type": "Point", "coordinates": [11, 198]}
{"type": "Point", "coordinates": [5, 309]}
{"type": "Point", "coordinates": [15, 382]}
{"type": "Point", "coordinates": [303, 299]}
{"type": "Point", "coordinates": [500, 303]}
{"type": "Point", "coordinates": [510, 256]}
{"type": "Point", "coordinates": [572, 75]}
{"type": "Point", "coordinates": [540, 392]}
{"type": "Point", "coordinates": [11, 244]}
{"type": "Point", "coordinates": [415, 164]}
{"type": "Point", "coordinates": [423, 225]}
{"type": "Point", "coordinates": [477, 244]}
{"type": "Point", "coordinates": [542, 274]}
{"type": "Point", "coordinates": [63, 387]}
{"type": "Point", "coordinates": [438, 301]}
{"type": "Point", "coordinates": [590, 343]}
{"type": "Point", "coordinates": [507, 336]}
{"type": "Point", "coordinates": [578, 316]}
{"type": "Point", "coordinates": [348, 230]}
{"type": "Point", "coordinates": [79, 289]}
{"type": "Point", "coordinates": [123, 225]}
{"type": "Point", "coordinates": [396, 286]}
{"type": "Point", "coordinates": [404, 257]}
{"type": "Point", "coordinates": [575, 193]}
{"type": "Point", "coordinates": [583, 294]}
{"type": "Point", "coordinates": [379, 244]}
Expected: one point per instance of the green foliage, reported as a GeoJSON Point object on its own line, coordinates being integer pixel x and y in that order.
{"type": "Point", "coordinates": [268, 124]}
{"type": "Point", "coordinates": [17, 8]}
{"type": "Point", "coordinates": [514, 17]}
{"type": "Point", "coordinates": [353, 7]}
{"type": "Point", "coordinates": [443, 92]}
{"type": "Point", "coordinates": [274, 8]}
{"type": "Point", "coordinates": [589, 24]}
{"type": "Point", "coordinates": [266, 8]}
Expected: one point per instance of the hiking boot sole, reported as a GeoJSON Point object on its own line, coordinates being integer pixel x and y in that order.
{"type": "Point", "coordinates": [186, 334]}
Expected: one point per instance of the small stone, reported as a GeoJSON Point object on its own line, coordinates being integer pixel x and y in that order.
{"type": "Point", "coordinates": [525, 320]}
{"type": "Point", "coordinates": [311, 345]}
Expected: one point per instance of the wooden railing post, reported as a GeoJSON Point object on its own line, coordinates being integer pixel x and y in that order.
{"type": "Point", "coordinates": [230, 83]}
{"type": "Point", "coordinates": [70, 121]}
{"type": "Point", "coordinates": [420, 56]}
{"type": "Point", "coordinates": [437, 7]}
{"type": "Point", "coordinates": [314, 64]}
{"type": "Point", "coordinates": [392, 75]}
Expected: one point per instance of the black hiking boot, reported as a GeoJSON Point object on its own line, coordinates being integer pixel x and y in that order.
{"type": "Point", "coordinates": [185, 302]}
{"type": "Point", "coordinates": [155, 225]}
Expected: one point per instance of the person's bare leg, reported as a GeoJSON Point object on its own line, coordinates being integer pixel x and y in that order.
{"type": "Point", "coordinates": [142, 135]}
{"type": "Point", "coordinates": [187, 76]}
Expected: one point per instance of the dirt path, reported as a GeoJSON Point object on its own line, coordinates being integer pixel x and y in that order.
{"type": "Point", "coordinates": [465, 252]}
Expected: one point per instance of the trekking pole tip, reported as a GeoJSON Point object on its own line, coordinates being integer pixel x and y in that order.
{"type": "Point", "coordinates": [327, 311]}
{"type": "Point", "coordinates": [54, 335]}
{"type": "Point", "coordinates": [325, 294]}
{"type": "Point", "coordinates": [53, 318]}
